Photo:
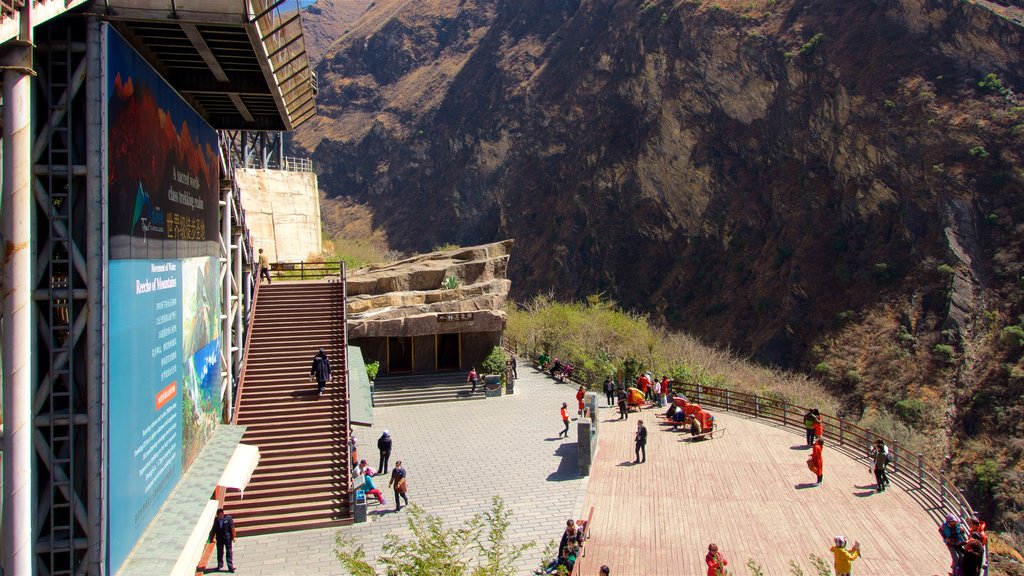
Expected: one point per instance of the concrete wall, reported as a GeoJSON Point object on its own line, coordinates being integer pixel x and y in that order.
{"type": "Point", "coordinates": [282, 210]}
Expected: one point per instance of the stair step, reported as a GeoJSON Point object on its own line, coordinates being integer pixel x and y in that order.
{"type": "Point", "coordinates": [292, 526]}
{"type": "Point", "coordinates": [321, 513]}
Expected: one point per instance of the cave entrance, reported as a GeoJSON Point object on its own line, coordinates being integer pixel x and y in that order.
{"type": "Point", "coordinates": [449, 351]}
{"type": "Point", "coordinates": [400, 354]}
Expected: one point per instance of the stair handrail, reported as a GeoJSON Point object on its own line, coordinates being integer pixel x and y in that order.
{"type": "Point", "coordinates": [344, 361]}
{"type": "Point", "coordinates": [245, 354]}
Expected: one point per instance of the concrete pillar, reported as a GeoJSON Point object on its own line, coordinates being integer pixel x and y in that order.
{"type": "Point", "coordinates": [16, 291]}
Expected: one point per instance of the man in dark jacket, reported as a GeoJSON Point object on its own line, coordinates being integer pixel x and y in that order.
{"type": "Point", "coordinates": [321, 370]}
{"type": "Point", "coordinates": [224, 531]}
{"type": "Point", "coordinates": [384, 445]}
{"type": "Point", "coordinates": [641, 442]}
{"type": "Point", "coordinates": [609, 391]}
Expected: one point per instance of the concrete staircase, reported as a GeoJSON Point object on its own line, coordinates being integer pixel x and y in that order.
{"type": "Point", "coordinates": [302, 480]}
{"type": "Point", "coordinates": [424, 388]}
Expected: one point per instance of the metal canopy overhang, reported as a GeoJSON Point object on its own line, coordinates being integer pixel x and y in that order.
{"type": "Point", "coordinates": [241, 63]}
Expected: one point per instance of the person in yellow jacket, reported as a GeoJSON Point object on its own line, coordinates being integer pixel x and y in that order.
{"type": "Point", "coordinates": [844, 558]}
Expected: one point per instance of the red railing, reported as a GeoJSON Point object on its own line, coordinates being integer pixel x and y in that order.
{"type": "Point", "coordinates": [245, 354]}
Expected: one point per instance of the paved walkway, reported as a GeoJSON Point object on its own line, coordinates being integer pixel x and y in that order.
{"type": "Point", "coordinates": [458, 456]}
{"type": "Point", "coordinates": [750, 492]}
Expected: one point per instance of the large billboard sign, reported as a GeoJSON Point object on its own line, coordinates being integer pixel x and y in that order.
{"type": "Point", "coordinates": [163, 291]}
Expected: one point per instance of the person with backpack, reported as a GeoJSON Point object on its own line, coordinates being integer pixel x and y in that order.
{"type": "Point", "coordinates": [321, 370]}
{"type": "Point", "coordinates": [954, 535]}
{"type": "Point", "coordinates": [843, 558]}
{"type": "Point", "coordinates": [881, 457]}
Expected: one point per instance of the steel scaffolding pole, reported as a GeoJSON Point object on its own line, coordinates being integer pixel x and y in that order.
{"type": "Point", "coordinates": [227, 322]}
{"type": "Point", "coordinates": [95, 267]}
{"type": "Point", "coordinates": [17, 305]}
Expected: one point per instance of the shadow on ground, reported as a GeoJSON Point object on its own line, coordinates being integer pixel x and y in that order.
{"type": "Point", "coordinates": [568, 466]}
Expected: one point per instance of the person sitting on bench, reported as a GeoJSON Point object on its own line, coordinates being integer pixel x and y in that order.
{"type": "Point", "coordinates": [678, 418]}
{"type": "Point", "coordinates": [695, 428]}
{"type": "Point", "coordinates": [556, 367]}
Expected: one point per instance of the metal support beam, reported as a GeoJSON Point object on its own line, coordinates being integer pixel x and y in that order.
{"type": "Point", "coordinates": [241, 107]}
{"type": "Point", "coordinates": [227, 322]}
{"type": "Point", "coordinates": [200, 45]}
{"type": "Point", "coordinates": [96, 360]}
{"type": "Point", "coordinates": [17, 305]}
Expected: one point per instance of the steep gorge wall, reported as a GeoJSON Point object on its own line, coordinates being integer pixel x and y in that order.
{"type": "Point", "coordinates": [820, 183]}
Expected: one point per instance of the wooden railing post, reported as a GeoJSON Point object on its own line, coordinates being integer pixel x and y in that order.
{"type": "Point", "coordinates": [841, 422]}
{"type": "Point", "coordinates": [895, 459]}
{"type": "Point", "coordinates": [785, 413]}
{"type": "Point", "coordinates": [698, 394]}
{"type": "Point", "coordinates": [727, 400]}
{"type": "Point", "coordinates": [757, 406]}
{"type": "Point", "coordinates": [920, 470]}
{"type": "Point", "coordinates": [942, 493]}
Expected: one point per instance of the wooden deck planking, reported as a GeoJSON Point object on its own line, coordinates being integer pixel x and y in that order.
{"type": "Point", "coordinates": [741, 491]}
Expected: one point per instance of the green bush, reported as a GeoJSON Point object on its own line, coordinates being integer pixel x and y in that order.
{"type": "Point", "coordinates": [495, 361]}
{"type": "Point", "coordinates": [910, 411]}
{"type": "Point", "coordinates": [371, 370]}
{"type": "Point", "coordinates": [1012, 336]}
{"type": "Point", "coordinates": [889, 104]}
{"type": "Point", "coordinates": [946, 270]}
{"type": "Point", "coordinates": [823, 368]}
{"type": "Point", "coordinates": [978, 152]}
{"type": "Point", "coordinates": [988, 475]}
{"type": "Point", "coordinates": [992, 83]}
{"type": "Point", "coordinates": [945, 352]}
{"type": "Point", "coordinates": [450, 283]}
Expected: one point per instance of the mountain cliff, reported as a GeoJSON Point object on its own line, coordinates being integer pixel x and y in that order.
{"type": "Point", "coordinates": [829, 186]}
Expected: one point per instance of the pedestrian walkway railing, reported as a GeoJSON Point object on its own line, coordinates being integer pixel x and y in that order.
{"type": "Point", "coordinates": [304, 270]}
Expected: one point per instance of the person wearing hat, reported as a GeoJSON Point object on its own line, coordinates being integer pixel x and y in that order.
{"type": "Point", "coordinates": [321, 370]}
{"type": "Point", "coordinates": [384, 446]}
{"type": "Point", "coordinates": [955, 536]}
{"type": "Point", "coordinates": [844, 558]}
{"type": "Point", "coordinates": [715, 560]}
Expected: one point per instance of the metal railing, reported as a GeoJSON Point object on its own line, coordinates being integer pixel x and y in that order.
{"type": "Point", "coordinates": [304, 270]}
{"type": "Point", "coordinates": [295, 164]}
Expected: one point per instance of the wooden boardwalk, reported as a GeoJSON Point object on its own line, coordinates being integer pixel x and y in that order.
{"type": "Point", "coordinates": [750, 492]}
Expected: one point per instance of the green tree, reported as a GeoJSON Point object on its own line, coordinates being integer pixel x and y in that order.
{"type": "Point", "coordinates": [438, 550]}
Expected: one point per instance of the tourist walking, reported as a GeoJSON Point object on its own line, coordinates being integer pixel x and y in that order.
{"type": "Point", "coordinates": [715, 560]}
{"type": "Point", "coordinates": [321, 370]}
{"type": "Point", "coordinates": [384, 446]}
{"type": "Point", "coordinates": [640, 441]}
{"type": "Point", "coordinates": [819, 430]}
{"type": "Point", "coordinates": [579, 400]}
{"type": "Point", "coordinates": [815, 462]}
{"type": "Point", "coordinates": [955, 536]}
{"type": "Point", "coordinates": [973, 559]}
{"type": "Point", "coordinates": [843, 558]}
{"type": "Point", "coordinates": [512, 368]}
{"type": "Point", "coordinates": [224, 531]}
{"type": "Point", "coordinates": [623, 408]}
{"type": "Point", "coordinates": [881, 458]}
{"type": "Point", "coordinates": [609, 391]}
{"type": "Point", "coordinates": [809, 420]}
{"type": "Point", "coordinates": [474, 378]}
{"type": "Point", "coordinates": [664, 391]}
{"type": "Point", "coordinates": [398, 483]}
{"type": "Point", "coordinates": [264, 267]}
{"type": "Point", "coordinates": [565, 420]}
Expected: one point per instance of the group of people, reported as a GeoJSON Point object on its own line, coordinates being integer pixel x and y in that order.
{"type": "Point", "coordinates": [364, 475]}
{"type": "Point", "coordinates": [564, 412]}
{"type": "Point", "coordinates": [966, 544]}
{"type": "Point", "coordinates": [569, 547]}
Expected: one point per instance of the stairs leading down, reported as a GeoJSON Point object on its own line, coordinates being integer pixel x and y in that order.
{"type": "Point", "coordinates": [424, 388]}
{"type": "Point", "coordinates": [302, 480]}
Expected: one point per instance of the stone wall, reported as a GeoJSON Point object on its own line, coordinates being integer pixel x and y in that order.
{"type": "Point", "coordinates": [282, 210]}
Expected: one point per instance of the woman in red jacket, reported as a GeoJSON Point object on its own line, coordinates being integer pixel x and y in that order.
{"type": "Point", "coordinates": [579, 400]}
{"type": "Point", "coordinates": [715, 560]}
{"type": "Point", "coordinates": [815, 462]}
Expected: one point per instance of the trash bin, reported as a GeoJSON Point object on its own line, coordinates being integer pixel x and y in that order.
{"type": "Point", "coordinates": [359, 509]}
{"type": "Point", "coordinates": [492, 385]}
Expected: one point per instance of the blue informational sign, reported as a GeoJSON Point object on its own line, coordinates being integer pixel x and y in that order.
{"type": "Point", "coordinates": [164, 301]}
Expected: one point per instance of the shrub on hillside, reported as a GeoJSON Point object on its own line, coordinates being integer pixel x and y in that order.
{"type": "Point", "coordinates": [495, 361]}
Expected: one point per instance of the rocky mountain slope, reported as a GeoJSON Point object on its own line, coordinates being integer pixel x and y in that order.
{"type": "Point", "coordinates": [829, 186]}
{"type": "Point", "coordinates": [325, 21]}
